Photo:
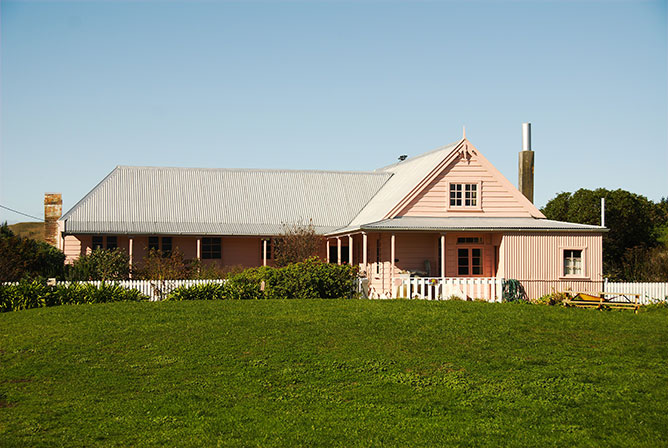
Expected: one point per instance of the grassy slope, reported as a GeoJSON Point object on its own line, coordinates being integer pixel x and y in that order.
{"type": "Point", "coordinates": [346, 373]}
{"type": "Point", "coordinates": [34, 230]}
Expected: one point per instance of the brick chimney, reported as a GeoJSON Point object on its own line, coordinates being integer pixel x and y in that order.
{"type": "Point", "coordinates": [525, 184]}
{"type": "Point", "coordinates": [53, 210]}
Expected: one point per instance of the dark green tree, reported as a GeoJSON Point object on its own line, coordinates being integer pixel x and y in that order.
{"type": "Point", "coordinates": [25, 258]}
{"type": "Point", "coordinates": [632, 220]}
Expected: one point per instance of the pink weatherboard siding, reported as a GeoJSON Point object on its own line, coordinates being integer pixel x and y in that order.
{"type": "Point", "coordinates": [536, 259]}
{"type": "Point", "coordinates": [498, 197]}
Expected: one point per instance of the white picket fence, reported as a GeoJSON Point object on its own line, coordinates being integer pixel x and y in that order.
{"type": "Point", "coordinates": [649, 292]}
{"type": "Point", "coordinates": [489, 289]}
{"type": "Point", "coordinates": [154, 289]}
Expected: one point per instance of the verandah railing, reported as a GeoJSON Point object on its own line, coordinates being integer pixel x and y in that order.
{"type": "Point", "coordinates": [489, 289]}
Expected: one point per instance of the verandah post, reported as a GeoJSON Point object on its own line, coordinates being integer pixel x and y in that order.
{"type": "Point", "coordinates": [392, 252]}
{"type": "Point", "coordinates": [364, 249]}
{"type": "Point", "coordinates": [338, 250]}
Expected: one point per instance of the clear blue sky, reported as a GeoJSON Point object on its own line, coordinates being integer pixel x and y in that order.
{"type": "Point", "coordinates": [334, 85]}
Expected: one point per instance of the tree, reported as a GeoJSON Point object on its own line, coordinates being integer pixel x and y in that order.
{"type": "Point", "coordinates": [101, 264]}
{"type": "Point", "coordinates": [631, 218]}
{"type": "Point", "coordinates": [170, 265]}
{"type": "Point", "coordinates": [298, 242]}
{"type": "Point", "coordinates": [25, 258]}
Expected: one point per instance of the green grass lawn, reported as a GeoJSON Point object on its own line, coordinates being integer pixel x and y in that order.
{"type": "Point", "coordinates": [332, 373]}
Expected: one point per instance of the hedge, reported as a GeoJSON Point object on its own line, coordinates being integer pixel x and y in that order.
{"type": "Point", "coordinates": [310, 279]}
{"type": "Point", "coordinates": [35, 294]}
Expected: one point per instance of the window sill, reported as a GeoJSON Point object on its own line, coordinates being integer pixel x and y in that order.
{"type": "Point", "coordinates": [463, 209]}
{"type": "Point", "coordinates": [574, 277]}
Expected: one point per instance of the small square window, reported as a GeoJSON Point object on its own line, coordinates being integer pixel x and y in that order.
{"type": "Point", "coordinates": [463, 195]}
{"type": "Point", "coordinates": [211, 248]}
{"type": "Point", "coordinates": [573, 262]}
{"type": "Point", "coordinates": [112, 242]}
{"type": "Point", "coordinates": [166, 246]}
{"type": "Point", "coordinates": [98, 242]}
{"type": "Point", "coordinates": [153, 243]}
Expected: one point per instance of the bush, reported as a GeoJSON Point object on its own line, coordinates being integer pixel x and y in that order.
{"type": "Point", "coordinates": [297, 243]}
{"type": "Point", "coordinates": [554, 298]}
{"type": "Point", "coordinates": [35, 294]}
{"type": "Point", "coordinates": [310, 279]}
{"type": "Point", "coordinates": [205, 291]}
{"type": "Point", "coordinates": [101, 264]}
{"type": "Point", "coordinates": [247, 285]}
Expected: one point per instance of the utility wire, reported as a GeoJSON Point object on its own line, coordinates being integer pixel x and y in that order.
{"type": "Point", "coordinates": [21, 213]}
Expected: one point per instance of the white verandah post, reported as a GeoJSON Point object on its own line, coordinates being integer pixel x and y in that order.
{"type": "Point", "coordinates": [264, 252]}
{"type": "Point", "coordinates": [442, 257]}
{"type": "Point", "coordinates": [130, 248]}
{"type": "Point", "coordinates": [364, 249]}
{"type": "Point", "coordinates": [338, 250]}
{"type": "Point", "coordinates": [392, 253]}
{"type": "Point", "coordinates": [350, 250]}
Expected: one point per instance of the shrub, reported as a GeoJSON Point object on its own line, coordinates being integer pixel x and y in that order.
{"type": "Point", "coordinates": [205, 291]}
{"type": "Point", "coordinates": [554, 298]}
{"type": "Point", "coordinates": [35, 294]}
{"type": "Point", "coordinates": [170, 265]}
{"type": "Point", "coordinates": [101, 264]}
{"type": "Point", "coordinates": [247, 285]}
{"type": "Point", "coordinates": [297, 243]}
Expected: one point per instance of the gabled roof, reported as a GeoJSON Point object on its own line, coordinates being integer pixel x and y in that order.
{"type": "Point", "coordinates": [201, 201]}
{"type": "Point", "coordinates": [406, 176]}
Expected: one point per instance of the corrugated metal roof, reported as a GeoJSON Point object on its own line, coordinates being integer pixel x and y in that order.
{"type": "Point", "coordinates": [406, 175]}
{"type": "Point", "coordinates": [221, 201]}
{"type": "Point", "coordinates": [473, 224]}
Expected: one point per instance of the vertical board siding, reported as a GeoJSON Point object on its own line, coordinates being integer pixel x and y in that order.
{"type": "Point", "coordinates": [496, 200]}
{"type": "Point", "coordinates": [535, 259]}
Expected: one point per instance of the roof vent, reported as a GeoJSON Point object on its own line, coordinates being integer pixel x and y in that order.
{"type": "Point", "coordinates": [403, 157]}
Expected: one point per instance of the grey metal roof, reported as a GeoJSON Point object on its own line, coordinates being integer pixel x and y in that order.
{"type": "Point", "coordinates": [406, 175]}
{"type": "Point", "coordinates": [202, 201]}
{"type": "Point", "coordinates": [417, 223]}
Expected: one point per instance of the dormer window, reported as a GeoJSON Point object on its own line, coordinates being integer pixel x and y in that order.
{"type": "Point", "coordinates": [464, 195]}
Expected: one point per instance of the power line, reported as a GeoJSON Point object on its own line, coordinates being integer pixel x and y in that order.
{"type": "Point", "coordinates": [21, 213]}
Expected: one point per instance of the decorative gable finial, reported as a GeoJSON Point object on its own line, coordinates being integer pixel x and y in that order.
{"type": "Point", "coordinates": [463, 132]}
{"type": "Point", "coordinates": [466, 152]}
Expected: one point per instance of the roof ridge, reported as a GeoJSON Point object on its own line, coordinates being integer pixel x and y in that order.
{"type": "Point", "coordinates": [259, 170]}
{"type": "Point", "coordinates": [449, 146]}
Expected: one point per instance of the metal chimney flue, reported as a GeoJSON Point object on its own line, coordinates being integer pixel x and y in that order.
{"type": "Point", "coordinates": [526, 136]}
{"type": "Point", "coordinates": [526, 164]}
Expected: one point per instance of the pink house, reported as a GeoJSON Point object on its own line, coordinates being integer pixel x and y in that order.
{"type": "Point", "coordinates": [423, 226]}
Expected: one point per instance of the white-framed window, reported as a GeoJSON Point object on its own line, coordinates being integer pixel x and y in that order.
{"type": "Point", "coordinates": [464, 196]}
{"type": "Point", "coordinates": [574, 262]}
